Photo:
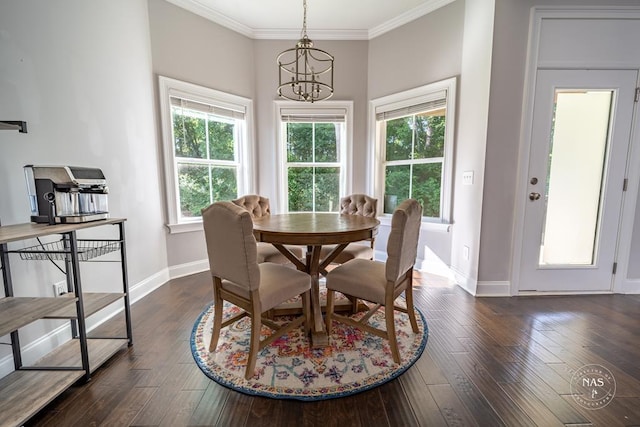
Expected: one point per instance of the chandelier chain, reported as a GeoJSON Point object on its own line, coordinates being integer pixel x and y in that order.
{"type": "Point", "coordinates": [304, 19]}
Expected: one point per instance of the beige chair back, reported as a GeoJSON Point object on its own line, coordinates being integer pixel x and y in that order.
{"type": "Point", "coordinates": [256, 205]}
{"type": "Point", "coordinates": [231, 246]}
{"type": "Point", "coordinates": [402, 246]}
{"type": "Point", "coordinates": [359, 204]}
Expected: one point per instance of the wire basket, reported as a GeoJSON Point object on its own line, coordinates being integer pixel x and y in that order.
{"type": "Point", "coordinates": [87, 249]}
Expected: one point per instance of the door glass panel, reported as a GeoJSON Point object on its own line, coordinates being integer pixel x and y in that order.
{"type": "Point", "coordinates": [579, 135]}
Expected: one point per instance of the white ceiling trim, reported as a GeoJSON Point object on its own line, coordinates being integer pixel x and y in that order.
{"type": "Point", "coordinates": [316, 34]}
{"type": "Point", "coordinates": [213, 15]}
{"type": "Point", "coordinates": [407, 17]}
{"type": "Point", "coordinates": [313, 34]}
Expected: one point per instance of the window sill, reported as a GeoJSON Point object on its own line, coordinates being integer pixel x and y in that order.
{"type": "Point", "coordinates": [185, 227]}
{"type": "Point", "coordinates": [443, 227]}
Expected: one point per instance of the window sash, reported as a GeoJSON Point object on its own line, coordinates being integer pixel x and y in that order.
{"type": "Point", "coordinates": [313, 164]}
{"type": "Point", "coordinates": [414, 162]}
{"type": "Point", "coordinates": [434, 98]}
{"type": "Point", "coordinates": [217, 106]}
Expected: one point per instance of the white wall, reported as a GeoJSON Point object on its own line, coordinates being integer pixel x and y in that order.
{"type": "Point", "coordinates": [80, 74]}
{"type": "Point", "coordinates": [472, 139]}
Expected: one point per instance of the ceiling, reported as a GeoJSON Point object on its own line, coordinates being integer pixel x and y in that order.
{"type": "Point", "coordinates": [326, 19]}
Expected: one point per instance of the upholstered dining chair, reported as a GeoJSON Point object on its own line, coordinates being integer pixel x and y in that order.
{"type": "Point", "coordinates": [258, 206]}
{"type": "Point", "coordinates": [238, 278]}
{"type": "Point", "coordinates": [355, 204]}
{"type": "Point", "coordinates": [381, 283]}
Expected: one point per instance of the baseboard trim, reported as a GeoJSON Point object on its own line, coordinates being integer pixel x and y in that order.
{"type": "Point", "coordinates": [631, 286]}
{"type": "Point", "coordinates": [188, 268]}
{"type": "Point", "coordinates": [467, 283]}
{"type": "Point", "coordinates": [148, 285]}
{"type": "Point", "coordinates": [493, 289]}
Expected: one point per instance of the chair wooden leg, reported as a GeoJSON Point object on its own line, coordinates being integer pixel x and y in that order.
{"type": "Point", "coordinates": [408, 292]}
{"type": "Point", "coordinates": [391, 332]}
{"type": "Point", "coordinates": [217, 316]}
{"type": "Point", "coordinates": [254, 346]}
{"type": "Point", "coordinates": [329, 313]}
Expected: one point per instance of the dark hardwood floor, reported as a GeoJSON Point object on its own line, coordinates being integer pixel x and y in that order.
{"type": "Point", "coordinates": [488, 362]}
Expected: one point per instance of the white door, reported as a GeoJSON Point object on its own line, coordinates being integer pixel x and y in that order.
{"type": "Point", "coordinates": [577, 163]}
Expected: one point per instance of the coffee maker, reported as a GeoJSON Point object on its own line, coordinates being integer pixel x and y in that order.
{"type": "Point", "coordinates": [66, 194]}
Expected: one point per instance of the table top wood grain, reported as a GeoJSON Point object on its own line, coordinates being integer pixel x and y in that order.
{"type": "Point", "coordinates": [314, 228]}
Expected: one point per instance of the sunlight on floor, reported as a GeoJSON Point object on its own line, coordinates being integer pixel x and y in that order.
{"type": "Point", "coordinates": [425, 278]}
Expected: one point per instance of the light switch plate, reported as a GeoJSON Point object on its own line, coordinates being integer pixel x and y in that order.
{"type": "Point", "coordinates": [467, 178]}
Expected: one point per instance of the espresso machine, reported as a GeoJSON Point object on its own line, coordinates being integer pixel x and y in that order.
{"type": "Point", "coordinates": [66, 194]}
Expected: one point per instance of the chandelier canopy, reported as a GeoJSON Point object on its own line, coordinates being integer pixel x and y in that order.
{"type": "Point", "coordinates": [305, 72]}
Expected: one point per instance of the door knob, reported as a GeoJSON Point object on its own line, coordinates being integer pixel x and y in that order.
{"type": "Point", "coordinates": [534, 196]}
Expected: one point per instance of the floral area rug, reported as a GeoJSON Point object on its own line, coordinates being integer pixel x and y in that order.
{"type": "Point", "coordinates": [289, 368]}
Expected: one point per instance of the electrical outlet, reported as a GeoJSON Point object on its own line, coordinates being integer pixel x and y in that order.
{"type": "Point", "coordinates": [59, 289]}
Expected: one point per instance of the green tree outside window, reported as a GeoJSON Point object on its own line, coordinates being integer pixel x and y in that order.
{"type": "Point", "coordinates": [313, 169]}
{"type": "Point", "coordinates": [205, 151]}
{"type": "Point", "coordinates": [413, 161]}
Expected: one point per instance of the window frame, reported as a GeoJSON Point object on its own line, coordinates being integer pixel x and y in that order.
{"type": "Point", "coordinates": [169, 88]}
{"type": "Point", "coordinates": [346, 149]}
{"type": "Point", "coordinates": [444, 89]}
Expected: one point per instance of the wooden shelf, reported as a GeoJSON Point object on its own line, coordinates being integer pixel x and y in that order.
{"type": "Point", "coordinates": [93, 302]}
{"type": "Point", "coordinates": [68, 354]}
{"type": "Point", "coordinates": [24, 393]}
{"type": "Point", "coordinates": [29, 389]}
{"type": "Point", "coordinates": [30, 230]}
{"type": "Point", "coordinates": [20, 311]}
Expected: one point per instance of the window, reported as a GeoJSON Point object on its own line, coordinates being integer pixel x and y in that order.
{"type": "Point", "coordinates": [414, 147]}
{"type": "Point", "coordinates": [314, 144]}
{"type": "Point", "coordinates": [206, 149]}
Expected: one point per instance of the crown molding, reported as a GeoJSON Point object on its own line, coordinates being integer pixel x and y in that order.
{"type": "Point", "coordinates": [275, 34]}
{"type": "Point", "coordinates": [213, 15]}
{"type": "Point", "coordinates": [207, 12]}
{"type": "Point", "coordinates": [407, 17]}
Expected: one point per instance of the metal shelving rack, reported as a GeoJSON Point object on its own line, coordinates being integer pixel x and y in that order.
{"type": "Point", "coordinates": [29, 388]}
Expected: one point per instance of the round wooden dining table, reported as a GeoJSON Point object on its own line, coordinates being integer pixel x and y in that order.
{"type": "Point", "coordinates": [313, 230]}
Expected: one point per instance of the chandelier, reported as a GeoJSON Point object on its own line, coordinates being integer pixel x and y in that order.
{"type": "Point", "coordinates": [305, 72]}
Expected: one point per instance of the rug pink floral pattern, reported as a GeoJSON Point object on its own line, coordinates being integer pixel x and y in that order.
{"type": "Point", "coordinates": [290, 369]}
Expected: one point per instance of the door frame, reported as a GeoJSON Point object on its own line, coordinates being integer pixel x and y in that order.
{"type": "Point", "coordinates": [538, 15]}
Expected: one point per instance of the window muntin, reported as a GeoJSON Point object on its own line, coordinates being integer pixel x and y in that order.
{"type": "Point", "coordinates": [207, 149]}
{"type": "Point", "coordinates": [414, 148]}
